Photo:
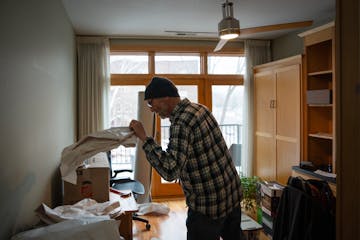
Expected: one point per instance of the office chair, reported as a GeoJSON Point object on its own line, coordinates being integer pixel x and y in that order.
{"type": "Point", "coordinates": [122, 184]}
{"type": "Point", "coordinates": [235, 152]}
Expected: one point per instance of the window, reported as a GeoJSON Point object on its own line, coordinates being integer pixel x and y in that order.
{"type": "Point", "coordinates": [129, 63]}
{"type": "Point", "coordinates": [123, 108]}
{"type": "Point", "coordinates": [226, 65]}
{"type": "Point", "coordinates": [213, 80]}
{"type": "Point", "coordinates": [227, 102]}
{"type": "Point", "coordinates": [177, 63]}
{"type": "Point", "coordinates": [227, 108]}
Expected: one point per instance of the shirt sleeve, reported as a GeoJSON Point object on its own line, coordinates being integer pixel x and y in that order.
{"type": "Point", "coordinates": [169, 163]}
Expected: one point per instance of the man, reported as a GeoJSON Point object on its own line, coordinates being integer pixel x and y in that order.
{"type": "Point", "coordinates": [197, 155]}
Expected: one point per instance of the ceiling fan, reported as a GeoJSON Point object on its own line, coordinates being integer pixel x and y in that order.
{"type": "Point", "coordinates": [229, 27]}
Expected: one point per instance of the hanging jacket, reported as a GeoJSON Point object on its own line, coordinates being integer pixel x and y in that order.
{"type": "Point", "coordinates": [306, 211]}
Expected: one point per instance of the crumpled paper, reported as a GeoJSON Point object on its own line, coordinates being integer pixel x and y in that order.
{"type": "Point", "coordinates": [84, 209]}
{"type": "Point", "coordinates": [74, 155]}
{"type": "Point", "coordinates": [74, 230]}
{"type": "Point", "coordinates": [153, 208]}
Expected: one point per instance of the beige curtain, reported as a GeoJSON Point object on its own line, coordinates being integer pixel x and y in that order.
{"type": "Point", "coordinates": [93, 84]}
{"type": "Point", "coordinates": [256, 52]}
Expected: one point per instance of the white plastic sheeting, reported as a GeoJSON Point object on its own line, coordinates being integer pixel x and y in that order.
{"type": "Point", "coordinates": [142, 172]}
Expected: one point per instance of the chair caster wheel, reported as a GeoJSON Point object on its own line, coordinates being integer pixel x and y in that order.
{"type": "Point", "coordinates": [148, 226]}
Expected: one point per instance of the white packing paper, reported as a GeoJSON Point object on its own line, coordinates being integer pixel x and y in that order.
{"type": "Point", "coordinates": [153, 208]}
{"type": "Point", "coordinates": [86, 209]}
{"type": "Point", "coordinates": [74, 230]}
{"type": "Point", "coordinates": [74, 155]}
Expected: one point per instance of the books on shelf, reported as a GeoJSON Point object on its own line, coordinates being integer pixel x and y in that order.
{"type": "Point", "coordinates": [268, 231]}
{"type": "Point", "coordinates": [267, 220]}
{"type": "Point", "coordinates": [325, 174]}
{"type": "Point", "coordinates": [272, 214]}
{"type": "Point", "coordinates": [272, 189]}
{"type": "Point", "coordinates": [270, 204]}
{"type": "Point", "coordinates": [267, 223]}
{"type": "Point", "coordinates": [270, 199]}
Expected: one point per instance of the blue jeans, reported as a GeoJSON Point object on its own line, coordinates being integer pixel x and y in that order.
{"type": "Point", "coordinates": [200, 226]}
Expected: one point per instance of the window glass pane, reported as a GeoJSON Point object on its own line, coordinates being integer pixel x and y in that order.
{"type": "Point", "coordinates": [177, 63]}
{"type": "Point", "coordinates": [226, 65]}
{"type": "Point", "coordinates": [129, 63]}
{"type": "Point", "coordinates": [227, 102]}
{"type": "Point", "coordinates": [123, 108]}
{"type": "Point", "coordinates": [185, 91]}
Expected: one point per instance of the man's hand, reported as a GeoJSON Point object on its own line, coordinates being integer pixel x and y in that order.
{"type": "Point", "coordinates": [138, 129]}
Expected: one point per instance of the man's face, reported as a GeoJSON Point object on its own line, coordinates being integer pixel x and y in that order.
{"type": "Point", "coordinates": [159, 106]}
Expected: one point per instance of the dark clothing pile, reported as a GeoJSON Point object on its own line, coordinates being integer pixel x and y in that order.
{"type": "Point", "coordinates": [306, 211]}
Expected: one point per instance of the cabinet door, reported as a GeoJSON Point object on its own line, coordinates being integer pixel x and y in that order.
{"type": "Point", "coordinates": [287, 121]}
{"type": "Point", "coordinates": [265, 154]}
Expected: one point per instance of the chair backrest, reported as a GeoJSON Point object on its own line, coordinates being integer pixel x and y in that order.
{"type": "Point", "coordinates": [235, 152]}
{"type": "Point", "coordinates": [108, 153]}
{"type": "Point", "coordinates": [123, 183]}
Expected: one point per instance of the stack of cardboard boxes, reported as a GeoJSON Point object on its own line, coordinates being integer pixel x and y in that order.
{"type": "Point", "coordinates": [270, 198]}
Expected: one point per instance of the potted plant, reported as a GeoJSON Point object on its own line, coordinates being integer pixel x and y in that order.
{"type": "Point", "coordinates": [251, 196]}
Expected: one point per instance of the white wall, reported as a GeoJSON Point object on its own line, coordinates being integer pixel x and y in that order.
{"type": "Point", "coordinates": [37, 107]}
{"type": "Point", "coordinates": [287, 46]}
{"type": "Point", "coordinates": [291, 44]}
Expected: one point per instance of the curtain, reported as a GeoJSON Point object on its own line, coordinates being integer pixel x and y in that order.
{"type": "Point", "coordinates": [93, 84]}
{"type": "Point", "coordinates": [256, 52]}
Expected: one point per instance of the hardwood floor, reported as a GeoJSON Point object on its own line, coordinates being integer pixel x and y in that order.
{"type": "Point", "coordinates": [171, 226]}
{"type": "Point", "coordinates": [166, 227]}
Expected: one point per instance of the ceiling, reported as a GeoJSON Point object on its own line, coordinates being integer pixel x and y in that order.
{"type": "Point", "coordinates": [152, 18]}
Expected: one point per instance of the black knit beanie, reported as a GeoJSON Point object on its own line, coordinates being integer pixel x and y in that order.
{"type": "Point", "coordinates": [160, 87]}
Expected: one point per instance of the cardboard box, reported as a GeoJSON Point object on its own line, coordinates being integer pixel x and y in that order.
{"type": "Point", "coordinates": [92, 181]}
{"type": "Point", "coordinates": [323, 96]}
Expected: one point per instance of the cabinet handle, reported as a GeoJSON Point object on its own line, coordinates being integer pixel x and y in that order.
{"type": "Point", "coordinates": [272, 103]}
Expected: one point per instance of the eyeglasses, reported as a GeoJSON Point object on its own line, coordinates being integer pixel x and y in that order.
{"type": "Point", "coordinates": [149, 103]}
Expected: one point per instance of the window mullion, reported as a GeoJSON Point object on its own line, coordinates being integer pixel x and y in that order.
{"type": "Point", "coordinates": [203, 63]}
{"type": "Point", "coordinates": [152, 63]}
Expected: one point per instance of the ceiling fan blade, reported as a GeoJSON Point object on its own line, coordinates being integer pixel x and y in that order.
{"type": "Point", "coordinates": [189, 33]}
{"type": "Point", "coordinates": [275, 27]}
{"type": "Point", "coordinates": [220, 44]}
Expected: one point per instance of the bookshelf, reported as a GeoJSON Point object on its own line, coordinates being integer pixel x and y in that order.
{"type": "Point", "coordinates": [318, 97]}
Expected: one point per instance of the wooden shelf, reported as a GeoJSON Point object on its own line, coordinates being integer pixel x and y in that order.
{"type": "Point", "coordinates": [320, 73]}
{"type": "Point", "coordinates": [321, 135]}
{"type": "Point", "coordinates": [320, 105]}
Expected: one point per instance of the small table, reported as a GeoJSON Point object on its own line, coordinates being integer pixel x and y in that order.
{"type": "Point", "coordinates": [250, 228]}
{"type": "Point", "coordinates": [129, 207]}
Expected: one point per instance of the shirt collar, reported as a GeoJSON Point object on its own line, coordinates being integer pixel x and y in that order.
{"type": "Point", "coordinates": [181, 105]}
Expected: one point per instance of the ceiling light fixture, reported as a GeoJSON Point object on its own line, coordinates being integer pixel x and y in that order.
{"type": "Point", "coordinates": [229, 27]}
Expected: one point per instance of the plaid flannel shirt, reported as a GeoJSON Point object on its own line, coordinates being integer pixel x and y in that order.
{"type": "Point", "coordinates": [197, 155]}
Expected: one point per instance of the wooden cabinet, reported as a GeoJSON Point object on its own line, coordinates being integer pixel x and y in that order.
{"type": "Point", "coordinates": [277, 118]}
{"type": "Point", "coordinates": [319, 97]}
